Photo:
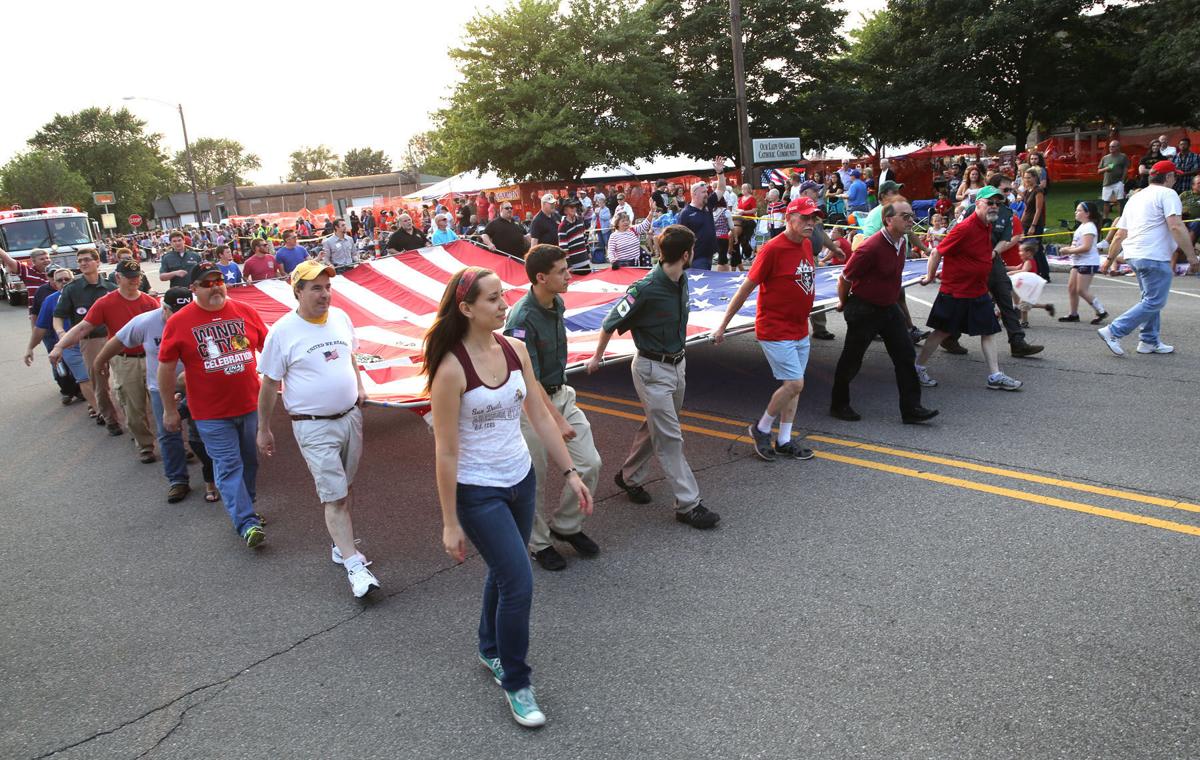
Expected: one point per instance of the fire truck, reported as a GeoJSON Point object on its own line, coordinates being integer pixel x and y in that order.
{"type": "Point", "coordinates": [61, 230]}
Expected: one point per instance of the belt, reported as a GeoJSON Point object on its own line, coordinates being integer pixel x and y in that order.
{"type": "Point", "coordinates": [308, 417]}
{"type": "Point", "coordinates": [664, 358]}
{"type": "Point", "coordinates": [552, 389]}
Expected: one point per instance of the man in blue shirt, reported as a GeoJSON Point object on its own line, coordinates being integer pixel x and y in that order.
{"type": "Point", "coordinates": [856, 193]}
{"type": "Point", "coordinates": [292, 253]}
{"type": "Point", "coordinates": [43, 332]}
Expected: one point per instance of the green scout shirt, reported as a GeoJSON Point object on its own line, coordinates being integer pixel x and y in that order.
{"type": "Point", "coordinates": [173, 262]}
{"type": "Point", "coordinates": [545, 336]}
{"type": "Point", "coordinates": [78, 296]}
{"type": "Point", "coordinates": [656, 309]}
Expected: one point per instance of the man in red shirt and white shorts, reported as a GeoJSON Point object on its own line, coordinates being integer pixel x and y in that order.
{"type": "Point", "coordinates": [963, 304]}
{"type": "Point", "coordinates": [785, 273]}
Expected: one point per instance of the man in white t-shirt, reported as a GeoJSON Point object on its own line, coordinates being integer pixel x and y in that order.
{"type": "Point", "coordinates": [311, 351]}
{"type": "Point", "coordinates": [1148, 232]}
{"type": "Point", "coordinates": [146, 330]}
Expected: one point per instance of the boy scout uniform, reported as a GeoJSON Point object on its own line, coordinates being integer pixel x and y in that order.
{"type": "Point", "coordinates": [545, 337]}
{"type": "Point", "coordinates": [655, 309]}
{"type": "Point", "coordinates": [77, 297]}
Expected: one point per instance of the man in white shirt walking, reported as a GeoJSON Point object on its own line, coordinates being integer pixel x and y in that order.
{"type": "Point", "coordinates": [311, 350]}
{"type": "Point", "coordinates": [1148, 232]}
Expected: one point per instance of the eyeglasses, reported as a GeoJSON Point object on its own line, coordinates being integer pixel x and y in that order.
{"type": "Point", "coordinates": [908, 215]}
{"type": "Point", "coordinates": [991, 202]}
{"type": "Point", "coordinates": [62, 280]}
{"type": "Point", "coordinates": [211, 282]}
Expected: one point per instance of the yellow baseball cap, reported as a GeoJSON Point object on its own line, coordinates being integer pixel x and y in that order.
{"type": "Point", "coordinates": [310, 270]}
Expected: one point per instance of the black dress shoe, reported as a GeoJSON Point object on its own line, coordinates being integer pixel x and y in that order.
{"type": "Point", "coordinates": [824, 335]}
{"type": "Point", "coordinates": [846, 413]}
{"type": "Point", "coordinates": [952, 346]}
{"type": "Point", "coordinates": [918, 415]}
{"type": "Point", "coordinates": [1022, 348]}
{"type": "Point", "coordinates": [585, 546]}
{"type": "Point", "coordinates": [699, 517]}
{"type": "Point", "coordinates": [636, 494]}
{"type": "Point", "coordinates": [550, 559]}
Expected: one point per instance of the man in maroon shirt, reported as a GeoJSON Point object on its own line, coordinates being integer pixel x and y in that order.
{"type": "Point", "coordinates": [128, 368]}
{"type": "Point", "coordinates": [963, 304]}
{"type": "Point", "coordinates": [868, 295]}
{"type": "Point", "coordinates": [32, 273]}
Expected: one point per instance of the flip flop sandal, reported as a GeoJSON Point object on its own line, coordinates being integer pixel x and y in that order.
{"type": "Point", "coordinates": [212, 496]}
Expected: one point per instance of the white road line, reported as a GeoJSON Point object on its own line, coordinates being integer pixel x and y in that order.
{"type": "Point", "coordinates": [1098, 281]}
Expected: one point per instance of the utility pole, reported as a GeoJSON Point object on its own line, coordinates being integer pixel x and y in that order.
{"type": "Point", "coordinates": [745, 152]}
{"type": "Point", "coordinates": [187, 149]}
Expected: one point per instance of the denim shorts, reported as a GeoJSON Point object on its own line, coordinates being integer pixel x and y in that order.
{"type": "Point", "coordinates": [73, 358]}
{"type": "Point", "coordinates": [1087, 268]}
{"type": "Point", "coordinates": [788, 358]}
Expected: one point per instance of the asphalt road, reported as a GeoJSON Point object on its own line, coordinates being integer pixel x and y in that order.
{"type": "Point", "coordinates": [1016, 580]}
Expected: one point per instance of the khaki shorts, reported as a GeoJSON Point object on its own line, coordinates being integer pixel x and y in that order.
{"type": "Point", "coordinates": [1113, 192]}
{"type": "Point", "coordinates": [332, 450]}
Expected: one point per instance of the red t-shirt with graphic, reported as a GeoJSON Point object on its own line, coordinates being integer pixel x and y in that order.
{"type": "Point", "coordinates": [786, 277]}
{"type": "Point", "coordinates": [217, 350]}
{"type": "Point", "coordinates": [114, 311]}
{"type": "Point", "coordinates": [260, 267]}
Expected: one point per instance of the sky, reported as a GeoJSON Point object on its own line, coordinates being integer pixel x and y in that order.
{"type": "Point", "coordinates": [373, 87]}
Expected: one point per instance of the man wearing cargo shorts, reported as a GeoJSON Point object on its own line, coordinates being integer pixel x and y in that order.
{"type": "Point", "coordinates": [655, 310]}
{"type": "Point", "coordinates": [537, 319]}
{"type": "Point", "coordinates": [311, 351]}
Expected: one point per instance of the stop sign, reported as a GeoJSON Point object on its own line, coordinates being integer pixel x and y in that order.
{"type": "Point", "coordinates": [135, 220]}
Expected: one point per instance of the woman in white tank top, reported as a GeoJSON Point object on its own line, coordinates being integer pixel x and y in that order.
{"type": "Point", "coordinates": [480, 383]}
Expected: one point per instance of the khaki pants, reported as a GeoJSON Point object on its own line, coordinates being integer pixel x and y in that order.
{"type": "Point", "coordinates": [567, 518]}
{"type": "Point", "coordinates": [128, 376]}
{"type": "Point", "coordinates": [104, 404]}
{"type": "Point", "coordinates": [660, 386]}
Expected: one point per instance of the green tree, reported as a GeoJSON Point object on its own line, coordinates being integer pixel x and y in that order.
{"type": "Point", "coordinates": [1150, 63]}
{"type": "Point", "coordinates": [359, 162]}
{"type": "Point", "coordinates": [424, 154]}
{"type": "Point", "coordinates": [546, 93]}
{"type": "Point", "coordinates": [791, 85]}
{"type": "Point", "coordinates": [218, 161]}
{"type": "Point", "coordinates": [111, 150]}
{"type": "Point", "coordinates": [1007, 66]}
{"type": "Point", "coordinates": [37, 178]}
{"type": "Point", "coordinates": [313, 163]}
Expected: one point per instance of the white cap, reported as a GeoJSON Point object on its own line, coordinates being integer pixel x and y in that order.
{"type": "Point", "coordinates": [549, 198]}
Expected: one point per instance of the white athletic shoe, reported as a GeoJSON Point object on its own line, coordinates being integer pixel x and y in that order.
{"type": "Point", "coordinates": [1149, 348]}
{"type": "Point", "coordinates": [362, 580]}
{"type": "Point", "coordinates": [336, 554]}
{"type": "Point", "coordinates": [924, 379]}
{"type": "Point", "coordinates": [1114, 344]}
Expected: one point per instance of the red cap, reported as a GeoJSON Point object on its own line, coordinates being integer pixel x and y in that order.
{"type": "Point", "coordinates": [1163, 167]}
{"type": "Point", "coordinates": [805, 206]}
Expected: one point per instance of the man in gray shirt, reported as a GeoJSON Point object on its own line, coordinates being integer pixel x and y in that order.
{"type": "Point", "coordinates": [338, 248]}
{"type": "Point", "coordinates": [1114, 165]}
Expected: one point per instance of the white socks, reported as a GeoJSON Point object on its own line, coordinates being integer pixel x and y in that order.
{"type": "Point", "coordinates": [765, 422]}
{"type": "Point", "coordinates": [785, 432]}
{"type": "Point", "coordinates": [1099, 307]}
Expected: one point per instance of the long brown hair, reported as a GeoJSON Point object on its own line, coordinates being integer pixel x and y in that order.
{"type": "Point", "coordinates": [451, 325]}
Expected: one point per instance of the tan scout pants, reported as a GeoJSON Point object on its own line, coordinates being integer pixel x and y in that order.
{"type": "Point", "coordinates": [128, 375]}
{"type": "Point", "coordinates": [660, 386]}
{"type": "Point", "coordinates": [90, 348]}
{"type": "Point", "coordinates": [567, 519]}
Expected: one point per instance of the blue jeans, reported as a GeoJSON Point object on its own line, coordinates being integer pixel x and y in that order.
{"type": "Point", "coordinates": [170, 444]}
{"type": "Point", "coordinates": [231, 444]}
{"type": "Point", "coordinates": [600, 251]}
{"type": "Point", "coordinates": [1154, 278]}
{"type": "Point", "coordinates": [498, 521]}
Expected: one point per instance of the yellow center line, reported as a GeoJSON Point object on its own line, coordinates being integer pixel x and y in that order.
{"type": "Point", "coordinates": [1010, 493]}
{"type": "Point", "coordinates": [959, 464]}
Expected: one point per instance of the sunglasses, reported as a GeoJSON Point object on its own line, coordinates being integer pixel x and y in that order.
{"type": "Point", "coordinates": [211, 282]}
{"type": "Point", "coordinates": [991, 202]}
{"type": "Point", "coordinates": [62, 280]}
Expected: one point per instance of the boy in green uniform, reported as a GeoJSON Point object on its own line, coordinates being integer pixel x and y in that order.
{"type": "Point", "coordinates": [655, 309]}
{"type": "Point", "coordinates": [537, 319]}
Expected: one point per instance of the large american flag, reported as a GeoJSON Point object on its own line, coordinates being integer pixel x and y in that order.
{"type": "Point", "coordinates": [392, 301]}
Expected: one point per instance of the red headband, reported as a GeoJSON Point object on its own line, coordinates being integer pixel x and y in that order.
{"type": "Point", "coordinates": [464, 284]}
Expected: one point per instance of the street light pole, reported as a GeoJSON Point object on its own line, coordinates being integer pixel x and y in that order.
{"type": "Point", "coordinates": [187, 150]}
{"type": "Point", "coordinates": [745, 155]}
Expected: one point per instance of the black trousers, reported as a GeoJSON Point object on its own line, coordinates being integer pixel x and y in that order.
{"type": "Point", "coordinates": [864, 321]}
{"type": "Point", "coordinates": [1000, 286]}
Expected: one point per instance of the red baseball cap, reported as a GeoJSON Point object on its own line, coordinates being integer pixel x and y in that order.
{"type": "Point", "coordinates": [1163, 167]}
{"type": "Point", "coordinates": [805, 206]}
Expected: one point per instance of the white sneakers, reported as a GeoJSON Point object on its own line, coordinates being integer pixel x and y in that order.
{"type": "Point", "coordinates": [1150, 348]}
{"type": "Point", "coordinates": [1114, 344]}
{"type": "Point", "coordinates": [362, 580]}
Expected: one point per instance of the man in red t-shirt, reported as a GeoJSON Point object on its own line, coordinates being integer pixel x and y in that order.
{"type": "Point", "coordinates": [128, 369]}
{"type": "Point", "coordinates": [963, 304]}
{"type": "Point", "coordinates": [261, 265]}
{"type": "Point", "coordinates": [784, 271]}
{"type": "Point", "coordinates": [32, 273]}
{"type": "Point", "coordinates": [216, 338]}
